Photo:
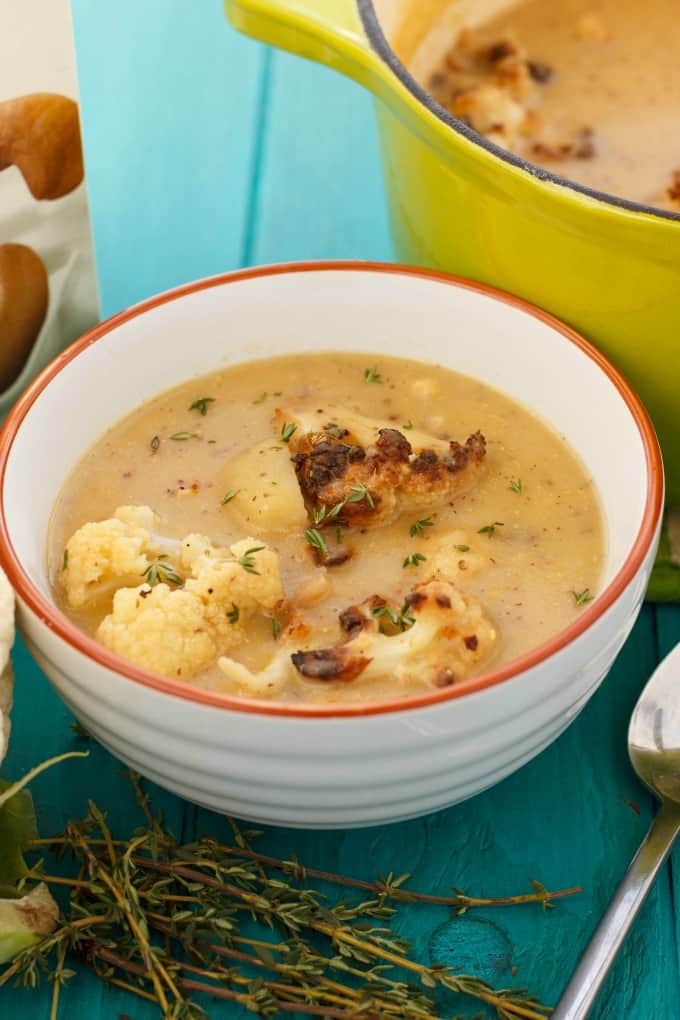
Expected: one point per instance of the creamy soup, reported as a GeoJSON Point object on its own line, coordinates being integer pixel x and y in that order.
{"type": "Point", "coordinates": [327, 528]}
{"type": "Point", "coordinates": [589, 89]}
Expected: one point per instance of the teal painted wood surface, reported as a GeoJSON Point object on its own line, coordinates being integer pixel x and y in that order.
{"type": "Point", "coordinates": [206, 152]}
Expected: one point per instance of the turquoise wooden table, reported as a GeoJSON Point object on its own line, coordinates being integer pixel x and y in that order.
{"type": "Point", "coordinates": [206, 152]}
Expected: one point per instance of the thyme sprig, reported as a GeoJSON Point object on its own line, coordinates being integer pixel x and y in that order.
{"type": "Point", "coordinates": [160, 572]}
{"type": "Point", "coordinates": [170, 922]}
{"type": "Point", "coordinates": [201, 405]}
{"type": "Point", "coordinates": [247, 559]}
{"type": "Point", "coordinates": [413, 559]}
{"type": "Point", "coordinates": [490, 529]}
{"type": "Point", "coordinates": [288, 430]}
{"type": "Point", "coordinates": [324, 514]}
{"type": "Point", "coordinates": [417, 529]}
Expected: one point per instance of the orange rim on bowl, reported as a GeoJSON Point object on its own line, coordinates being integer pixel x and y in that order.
{"type": "Point", "coordinates": [61, 626]}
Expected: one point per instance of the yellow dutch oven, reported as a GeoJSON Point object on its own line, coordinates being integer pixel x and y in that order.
{"type": "Point", "coordinates": [609, 267]}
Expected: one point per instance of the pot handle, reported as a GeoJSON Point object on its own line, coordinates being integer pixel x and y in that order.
{"type": "Point", "coordinates": [328, 31]}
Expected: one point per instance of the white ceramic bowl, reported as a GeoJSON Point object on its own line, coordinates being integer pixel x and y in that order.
{"type": "Point", "coordinates": [349, 765]}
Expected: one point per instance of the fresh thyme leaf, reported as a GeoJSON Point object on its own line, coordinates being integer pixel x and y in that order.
{"type": "Point", "coordinates": [401, 618]}
{"type": "Point", "coordinates": [413, 560]}
{"type": "Point", "coordinates": [359, 492]}
{"type": "Point", "coordinates": [159, 572]}
{"type": "Point", "coordinates": [261, 399]}
{"type": "Point", "coordinates": [234, 613]}
{"type": "Point", "coordinates": [228, 496]}
{"type": "Point", "coordinates": [317, 541]}
{"type": "Point", "coordinates": [582, 598]}
{"type": "Point", "coordinates": [201, 405]}
{"type": "Point", "coordinates": [408, 424]}
{"type": "Point", "coordinates": [288, 429]}
{"type": "Point", "coordinates": [462, 548]}
{"type": "Point", "coordinates": [417, 529]}
{"type": "Point", "coordinates": [180, 436]}
{"type": "Point", "coordinates": [276, 628]}
{"type": "Point", "coordinates": [516, 486]}
{"type": "Point", "coordinates": [372, 374]}
{"type": "Point", "coordinates": [406, 617]}
{"type": "Point", "coordinates": [247, 559]}
{"type": "Point", "coordinates": [155, 443]}
{"type": "Point", "coordinates": [490, 529]}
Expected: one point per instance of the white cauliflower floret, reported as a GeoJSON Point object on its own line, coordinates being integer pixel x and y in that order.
{"type": "Point", "coordinates": [160, 629]}
{"type": "Point", "coordinates": [446, 636]}
{"type": "Point", "coordinates": [110, 552]}
{"type": "Point", "coordinates": [246, 576]}
{"type": "Point", "coordinates": [180, 632]}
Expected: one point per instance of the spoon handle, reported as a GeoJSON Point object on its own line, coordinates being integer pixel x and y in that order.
{"type": "Point", "coordinates": [582, 990]}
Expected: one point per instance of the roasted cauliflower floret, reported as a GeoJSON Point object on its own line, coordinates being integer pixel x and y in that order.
{"type": "Point", "coordinates": [180, 631]}
{"type": "Point", "coordinates": [160, 629]}
{"type": "Point", "coordinates": [354, 470]}
{"type": "Point", "coordinates": [445, 636]}
{"type": "Point", "coordinates": [105, 553]}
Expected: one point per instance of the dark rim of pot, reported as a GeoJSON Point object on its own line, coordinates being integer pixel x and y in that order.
{"type": "Point", "coordinates": [382, 47]}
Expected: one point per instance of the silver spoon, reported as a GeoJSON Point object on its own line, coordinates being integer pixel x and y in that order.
{"type": "Point", "coordinates": [654, 749]}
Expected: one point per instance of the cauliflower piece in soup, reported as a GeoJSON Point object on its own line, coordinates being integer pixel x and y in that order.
{"type": "Point", "coordinates": [440, 635]}
{"type": "Point", "coordinates": [160, 629]}
{"type": "Point", "coordinates": [357, 470]}
{"type": "Point", "coordinates": [246, 575]}
{"type": "Point", "coordinates": [179, 632]}
{"type": "Point", "coordinates": [108, 553]}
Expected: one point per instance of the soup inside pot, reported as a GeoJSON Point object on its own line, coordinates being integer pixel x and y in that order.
{"type": "Point", "coordinates": [588, 89]}
{"type": "Point", "coordinates": [325, 528]}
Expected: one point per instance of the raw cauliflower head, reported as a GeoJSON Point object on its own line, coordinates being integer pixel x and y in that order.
{"type": "Point", "coordinates": [179, 632]}
{"type": "Point", "coordinates": [446, 637]}
{"type": "Point", "coordinates": [109, 553]}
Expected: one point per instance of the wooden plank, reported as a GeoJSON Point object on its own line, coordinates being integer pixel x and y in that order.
{"type": "Point", "coordinates": [169, 95]}
{"type": "Point", "coordinates": [320, 189]}
{"type": "Point", "coordinates": [667, 636]}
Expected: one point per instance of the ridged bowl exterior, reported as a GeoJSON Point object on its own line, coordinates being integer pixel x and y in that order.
{"type": "Point", "coordinates": [336, 773]}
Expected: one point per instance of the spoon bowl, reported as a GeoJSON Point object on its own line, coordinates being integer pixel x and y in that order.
{"type": "Point", "coordinates": [654, 732]}
{"type": "Point", "coordinates": [654, 750]}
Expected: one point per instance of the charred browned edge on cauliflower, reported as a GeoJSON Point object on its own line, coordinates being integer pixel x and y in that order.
{"type": "Point", "coordinates": [440, 632]}
{"type": "Point", "coordinates": [333, 468]}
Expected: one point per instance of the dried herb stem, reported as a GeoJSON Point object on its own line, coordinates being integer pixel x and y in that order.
{"type": "Point", "coordinates": [454, 982]}
{"type": "Point", "coordinates": [157, 972]}
{"type": "Point", "coordinates": [167, 922]}
{"type": "Point", "coordinates": [383, 887]}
